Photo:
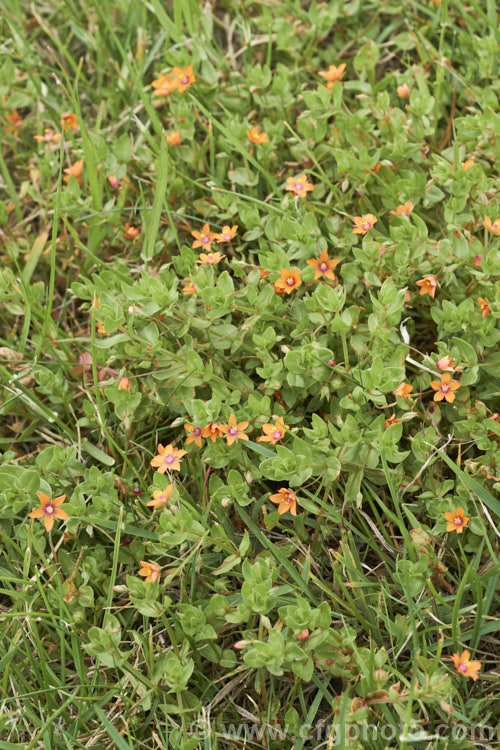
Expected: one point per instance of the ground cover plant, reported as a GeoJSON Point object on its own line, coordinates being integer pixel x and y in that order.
{"type": "Point", "coordinates": [250, 400]}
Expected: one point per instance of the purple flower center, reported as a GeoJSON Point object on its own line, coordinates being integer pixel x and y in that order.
{"type": "Point", "coordinates": [459, 521]}
{"type": "Point", "coordinates": [299, 186]}
{"type": "Point", "coordinates": [323, 267]}
{"type": "Point", "coordinates": [227, 237]}
{"type": "Point", "coordinates": [205, 239]}
{"type": "Point", "coordinates": [290, 281]}
{"type": "Point", "coordinates": [185, 80]}
{"type": "Point", "coordinates": [211, 259]}
{"type": "Point", "coordinates": [169, 459]}
{"type": "Point", "coordinates": [445, 388]}
{"type": "Point", "coordinates": [233, 431]}
{"type": "Point", "coordinates": [49, 509]}
{"type": "Point", "coordinates": [196, 431]}
{"type": "Point", "coordinates": [277, 434]}
{"type": "Point", "coordinates": [366, 227]}
{"type": "Point", "coordinates": [462, 667]}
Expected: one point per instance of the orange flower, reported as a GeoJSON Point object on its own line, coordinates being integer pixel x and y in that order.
{"type": "Point", "coordinates": [204, 238]}
{"type": "Point", "coordinates": [484, 306]}
{"type": "Point", "coordinates": [263, 273]}
{"type": "Point", "coordinates": [467, 164]}
{"type": "Point", "coordinates": [234, 431]}
{"type": "Point", "coordinates": [164, 85]}
{"type": "Point", "coordinates": [124, 384]}
{"type": "Point", "coordinates": [323, 266]}
{"type": "Point", "coordinates": [290, 280]}
{"type": "Point", "coordinates": [100, 328]}
{"type": "Point", "coordinates": [113, 181]}
{"type": "Point", "coordinates": [188, 287]}
{"type": "Point", "coordinates": [130, 232]}
{"type": "Point", "coordinates": [15, 122]}
{"type": "Point", "coordinates": [168, 458]}
{"type": "Point", "coordinates": [150, 571]}
{"type": "Point", "coordinates": [445, 389]}
{"type": "Point", "coordinates": [445, 364]}
{"type": "Point", "coordinates": [212, 431]}
{"type": "Point", "coordinates": [161, 497]}
{"type": "Point", "coordinates": [456, 520]}
{"type": "Point", "coordinates": [403, 91]}
{"type": "Point", "coordinates": [48, 137]}
{"type": "Point", "coordinates": [404, 209]}
{"type": "Point", "coordinates": [273, 432]}
{"type": "Point", "coordinates": [465, 666]}
{"type": "Point", "coordinates": [173, 138]}
{"type": "Point", "coordinates": [183, 78]}
{"type": "Point", "coordinates": [392, 420]}
{"type": "Point", "coordinates": [428, 285]}
{"type": "Point", "coordinates": [194, 434]}
{"type": "Point", "coordinates": [75, 170]}
{"type": "Point", "coordinates": [334, 73]}
{"type": "Point", "coordinates": [477, 261]}
{"type": "Point", "coordinates": [403, 390]}
{"type": "Point", "coordinates": [299, 185]}
{"type": "Point", "coordinates": [285, 500]}
{"type": "Point", "coordinates": [254, 136]}
{"type": "Point", "coordinates": [210, 259]}
{"type": "Point", "coordinates": [362, 224]}
{"type": "Point", "coordinates": [49, 510]}
{"type": "Point", "coordinates": [227, 234]}
{"type": "Point", "coordinates": [493, 227]}
{"type": "Point", "coordinates": [70, 121]}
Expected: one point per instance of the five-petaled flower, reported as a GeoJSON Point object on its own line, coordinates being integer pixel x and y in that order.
{"type": "Point", "coordinates": [188, 287]}
{"type": "Point", "coordinates": [161, 497]}
{"type": "Point", "coordinates": [75, 170]}
{"type": "Point", "coordinates": [484, 306]}
{"type": "Point", "coordinates": [212, 431]}
{"type": "Point", "coordinates": [465, 666]}
{"type": "Point", "coordinates": [403, 91]}
{"type": "Point", "coordinates": [183, 77]}
{"type": "Point", "coordinates": [299, 185]}
{"type": "Point", "coordinates": [392, 420]}
{"type": "Point", "coordinates": [168, 458]}
{"type": "Point", "coordinates": [403, 390]}
{"type": "Point", "coordinates": [194, 434]}
{"type": "Point", "coordinates": [363, 224]}
{"type": "Point", "coordinates": [164, 85]}
{"type": "Point", "coordinates": [494, 226]}
{"type": "Point", "coordinates": [446, 364]}
{"type": "Point", "coordinates": [69, 120]}
{"type": "Point", "coordinates": [100, 328]}
{"type": "Point", "coordinates": [15, 122]}
{"type": "Point", "coordinates": [204, 238]}
{"type": "Point", "coordinates": [227, 234]}
{"type": "Point", "coordinates": [428, 285]}
{"type": "Point", "coordinates": [234, 430]}
{"type": "Point", "coordinates": [49, 510]}
{"type": "Point", "coordinates": [404, 209]}
{"type": "Point", "coordinates": [456, 520]}
{"type": "Point", "coordinates": [273, 432]}
{"type": "Point", "coordinates": [173, 138]}
{"type": "Point", "coordinates": [467, 164]}
{"type": "Point", "coordinates": [255, 136]}
{"type": "Point", "coordinates": [285, 500]}
{"type": "Point", "coordinates": [334, 73]}
{"type": "Point", "coordinates": [150, 571]}
{"type": "Point", "coordinates": [445, 389]}
{"type": "Point", "coordinates": [210, 259]}
{"type": "Point", "coordinates": [323, 266]}
{"type": "Point", "coordinates": [130, 232]}
{"type": "Point", "coordinates": [290, 280]}
{"type": "Point", "coordinates": [48, 137]}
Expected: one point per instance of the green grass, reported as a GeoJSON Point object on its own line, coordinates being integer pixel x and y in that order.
{"type": "Point", "coordinates": [331, 628]}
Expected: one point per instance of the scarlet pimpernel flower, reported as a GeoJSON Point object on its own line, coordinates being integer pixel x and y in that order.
{"type": "Point", "coordinates": [273, 432]}
{"type": "Point", "coordinates": [48, 137]}
{"type": "Point", "coordinates": [15, 120]}
{"type": "Point", "coordinates": [484, 306]}
{"type": "Point", "coordinates": [183, 77]}
{"type": "Point", "coordinates": [323, 266]}
{"type": "Point", "coordinates": [69, 120]}
{"type": "Point", "coordinates": [113, 181]}
{"type": "Point", "coordinates": [204, 238]}
{"type": "Point", "coordinates": [492, 226]}
{"type": "Point", "coordinates": [403, 91]}
{"type": "Point", "coordinates": [403, 390]}
{"type": "Point", "coordinates": [285, 500]}
{"type": "Point", "coordinates": [256, 137]}
{"type": "Point", "coordinates": [445, 389]}
{"type": "Point", "coordinates": [168, 458]}
{"type": "Point", "coordinates": [465, 666]}
{"type": "Point", "coordinates": [456, 520]}
{"type": "Point", "coordinates": [334, 73]}
{"type": "Point", "coordinates": [299, 185]}
{"type": "Point", "coordinates": [188, 287]}
{"type": "Point", "coordinates": [130, 232]}
{"type": "Point", "coordinates": [173, 138]}
{"type": "Point", "coordinates": [467, 164]}
{"type": "Point", "coordinates": [363, 224]}
{"type": "Point", "coordinates": [150, 571]}
{"type": "Point", "coordinates": [161, 497]}
{"type": "Point", "coordinates": [210, 259]}
{"type": "Point", "coordinates": [194, 434]}
{"type": "Point", "coordinates": [445, 364]}
{"type": "Point", "coordinates": [392, 420]}
{"type": "Point", "coordinates": [234, 430]}
{"type": "Point", "coordinates": [212, 431]}
{"type": "Point", "coordinates": [49, 510]}
{"type": "Point", "coordinates": [290, 280]}
{"type": "Point", "coordinates": [227, 234]}
{"type": "Point", "coordinates": [428, 285]}
{"type": "Point", "coordinates": [75, 170]}
{"type": "Point", "coordinates": [404, 209]}
{"type": "Point", "coordinates": [164, 85]}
